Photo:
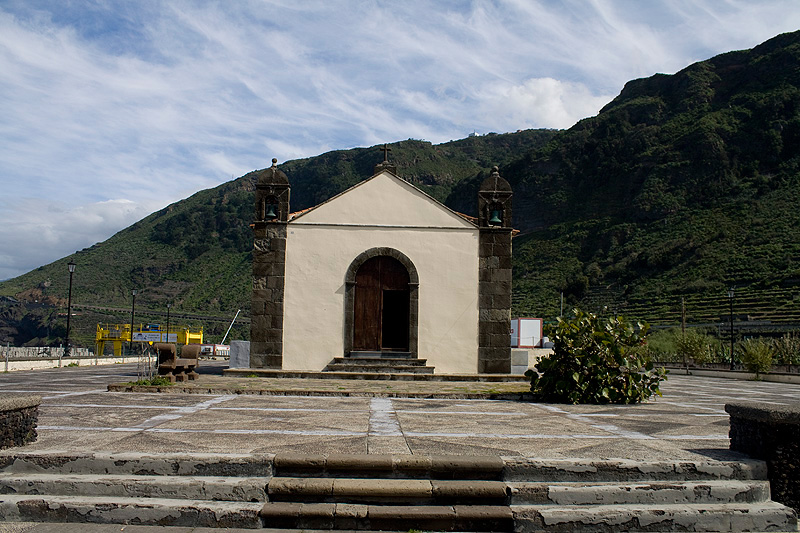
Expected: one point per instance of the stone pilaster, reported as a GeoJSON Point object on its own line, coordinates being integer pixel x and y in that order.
{"type": "Point", "coordinates": [269, 268]}
{"type": "Point", "coordinates": [266, 312]}
{"type": "Point", "coordinates": [494, 290]}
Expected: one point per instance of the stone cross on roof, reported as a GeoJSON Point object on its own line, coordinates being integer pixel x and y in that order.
{"type": "Point", "coordinates": [385, 149]}
{"type": "Point", "coordinates": [385, 164]}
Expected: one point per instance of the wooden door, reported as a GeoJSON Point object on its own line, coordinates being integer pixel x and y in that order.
{"type": "Point", "coordinates": [381, 306]}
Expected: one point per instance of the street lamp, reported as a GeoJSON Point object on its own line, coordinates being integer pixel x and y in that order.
{"type": "Point", "coordinates": [71, 268]}
{"type": "Point", "coordinates": [134, 292]}
{"type": "Point", "coordinates": [730, 298]}
{"type": "Point", "coordinates": [167, 339]}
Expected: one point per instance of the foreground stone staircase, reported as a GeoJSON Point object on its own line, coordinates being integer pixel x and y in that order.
{"type": "Point", "coordinates": [389, 492]}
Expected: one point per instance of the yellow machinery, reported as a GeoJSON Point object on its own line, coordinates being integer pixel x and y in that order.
{"type": "Point", "coordinates": [120, 334]}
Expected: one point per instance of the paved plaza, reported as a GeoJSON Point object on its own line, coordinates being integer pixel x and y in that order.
{"type": "Point", "coordinates": [79, 414]}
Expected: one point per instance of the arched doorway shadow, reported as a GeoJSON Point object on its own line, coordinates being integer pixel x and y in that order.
{"type": "Point", "coordinates": [389, 328]}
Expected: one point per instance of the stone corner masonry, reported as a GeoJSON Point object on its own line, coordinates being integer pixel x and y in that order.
{"type": "Point", "coordinates": [772, 433]}
{"type": "Point", "coordinates": [18, 418]}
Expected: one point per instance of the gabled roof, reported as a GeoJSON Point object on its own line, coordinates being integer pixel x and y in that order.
{"type": "Point", "coordinates": [384, 199]}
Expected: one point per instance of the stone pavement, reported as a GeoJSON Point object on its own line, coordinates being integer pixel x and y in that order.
{"type": "Point", "coordinates": [79, 414]}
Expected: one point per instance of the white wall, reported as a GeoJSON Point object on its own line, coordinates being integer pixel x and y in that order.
{"type": "Point", "coordinates": [322, 244]}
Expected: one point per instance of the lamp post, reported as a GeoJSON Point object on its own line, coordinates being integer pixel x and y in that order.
{"type": "Point", "coordinates": [167, 338]}
{"type": "Point", "coordinates": [730, 298]}
{"type": "Point", "coordinates": [134, 292]}
{"type": "Point", "coordinates": [71, 268]}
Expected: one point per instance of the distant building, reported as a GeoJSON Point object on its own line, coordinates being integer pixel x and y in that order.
{"type": "Point", "coordinates": [381, 268]}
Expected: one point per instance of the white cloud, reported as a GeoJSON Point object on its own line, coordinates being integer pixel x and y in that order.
{"type": "Point", "coordinates": [151, 101]}
{"type": "Point", "coordinates": [33, 228]}
{"type": "Point", "coordinates": [540, 102]}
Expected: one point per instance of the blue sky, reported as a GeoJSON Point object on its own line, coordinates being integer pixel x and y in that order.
{"type": "Point", "coordinates": [113, 109]}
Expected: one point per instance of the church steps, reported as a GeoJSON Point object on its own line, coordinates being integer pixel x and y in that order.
{"type": "Point", "coordinates": [388, 492]}
{"type": "Point", "coordinates": [375, 355]}
{"type": "Point", "coordinates": [391, 369]}
{"type": "Point", "coordinates": [379, 361]}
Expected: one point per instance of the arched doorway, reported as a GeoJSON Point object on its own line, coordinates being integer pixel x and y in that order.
{"type": "Point", "coordinates": [381, 304]}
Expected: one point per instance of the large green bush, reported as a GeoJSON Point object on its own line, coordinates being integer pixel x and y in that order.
{"type": "Point", "coordinates": [596, 360]}
{"type": "Point", "coordinates": [757, 355]}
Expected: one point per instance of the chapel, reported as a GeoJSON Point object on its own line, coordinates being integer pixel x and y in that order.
{"type": "Point", "coordinates": [381, 270]}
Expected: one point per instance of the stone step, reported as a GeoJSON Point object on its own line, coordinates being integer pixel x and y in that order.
{"type": "Point", "coordinates": [673, 493]}
{"type": "Point", "coordinates": [767, 516]}
{"type": "Point", "coordinates": [388, 466]}
{"type": "Point", "coordinates": [513, 469]}
{"type": "Point", "coordinates": [395, 369]}
{"type": "Point", "coordinates": [624, 470]}
{"type": "Point", "coordinates": [407, 361]}
{"type": "Point", "coordinates": [364, 354]}
{"type": "Point", "coordinates": [194, 464]}
{"type": "Point", "coordinates": [124, 510]}
{"type": "Point", "coordinates": [387, 491]}
{"type": "Point", "coordinates": [387, 517]}
{"type": "Point", "coordinates": [241, 489]}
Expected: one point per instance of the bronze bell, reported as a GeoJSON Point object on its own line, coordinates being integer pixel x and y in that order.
{"type": "Point", "coordinates": [495, 218]}
{"type": "Point", "coordinates": [270, 214]}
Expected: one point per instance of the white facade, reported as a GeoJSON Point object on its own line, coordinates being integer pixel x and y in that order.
{"type": "Point", "coordinates": [381, 212]}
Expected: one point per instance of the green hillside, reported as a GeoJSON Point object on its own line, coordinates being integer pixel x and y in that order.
{"type": "Point", "coordinates": [196, 253]}
{"type": "Point", "coordinates": [682, 186]}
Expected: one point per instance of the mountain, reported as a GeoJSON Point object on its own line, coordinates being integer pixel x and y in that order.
{"type": "Point", "coordinates": [196, 253]}
{"type": "Point", "coordinates": [681, 187]}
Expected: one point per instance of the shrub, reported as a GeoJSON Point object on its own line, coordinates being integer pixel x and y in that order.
{"type": "Point", "coordinates": [156, 381]}
{"type": "Point", "coordinates": [694, 346]}
{"type": "Point", "coordinates": [662, 345]}
{"type": "Point", "coordinates": [757, 355]}
{"type": "Point", "coordinates": [596, 360]}
{"type": "Point", "coordinates": [787, 349]}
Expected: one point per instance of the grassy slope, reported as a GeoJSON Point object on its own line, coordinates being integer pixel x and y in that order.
{"type": "Point", "coordinates": [683, 185]}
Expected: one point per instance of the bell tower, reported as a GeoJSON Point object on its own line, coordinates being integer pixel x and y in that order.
{"type": "Point", "coordinates": [494, 278]}
{"type": "Point", "coordinates": [269, 268]}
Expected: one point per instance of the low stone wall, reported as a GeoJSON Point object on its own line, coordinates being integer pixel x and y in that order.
{"type": "Point", "coordinates": [45, 352]}
{"type": "Point", "coordinates": [724, 372]}
{"type": "Point", "coordinates": [38, 363]}
{"type": "Point", "coordinates": [18, 418]}
{"type": "Point", "coordinates": [772, 433]}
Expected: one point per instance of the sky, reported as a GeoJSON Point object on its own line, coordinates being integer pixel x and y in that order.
{"type": "Point", "coordinates": [111, 110]}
